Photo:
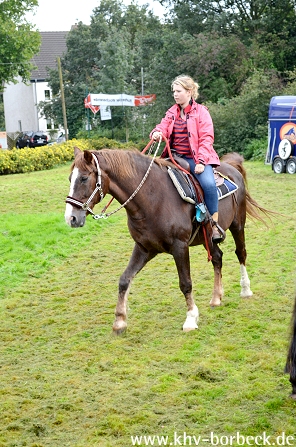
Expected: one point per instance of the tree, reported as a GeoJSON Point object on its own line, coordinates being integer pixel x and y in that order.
{"type": "Point", "coordinates": [103, 57]}
{"type": "Point", "coordinates": [19, 41]}
{"type": "Point", "coordinates": [243, 118]}
{"type": "Point", "coordinates": [219, 64]}
{"type": "Point", "coordinates": [241, 17]}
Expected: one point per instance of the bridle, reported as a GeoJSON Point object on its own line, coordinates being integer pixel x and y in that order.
{"type": "Point", "coordinates": [85, 206]}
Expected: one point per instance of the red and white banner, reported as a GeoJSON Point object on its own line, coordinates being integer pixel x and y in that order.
{"type": "Point", "coordinates": [88, 105]}
{"type": "Point", "coordinates": [120, 100]}
{"type": "Point", "coordinates": [144, 100]}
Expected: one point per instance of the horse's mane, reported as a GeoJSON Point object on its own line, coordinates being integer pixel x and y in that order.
{"type": "Point", "coordinates": [122, 162]}
{"type": "Point", "coordinates": [125, 163]}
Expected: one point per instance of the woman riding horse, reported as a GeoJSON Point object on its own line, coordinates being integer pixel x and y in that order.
{"type": "Point", "coordinates": [189, 128]}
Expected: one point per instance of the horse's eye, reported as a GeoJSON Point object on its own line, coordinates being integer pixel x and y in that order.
{"type": "Point", "coordinates": [84, 179]}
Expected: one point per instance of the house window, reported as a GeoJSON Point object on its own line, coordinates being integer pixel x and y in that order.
{"type": "Point", "coordinates": [47, 94]}
{"type": "Point", "coordinates": [48, 124]}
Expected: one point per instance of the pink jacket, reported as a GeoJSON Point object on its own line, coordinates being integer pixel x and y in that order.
{"type": "Point", "coordinates": [200, 132]}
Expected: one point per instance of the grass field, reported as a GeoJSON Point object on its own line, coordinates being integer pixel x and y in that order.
{"type": "Point", "coordinates": [66, 380]}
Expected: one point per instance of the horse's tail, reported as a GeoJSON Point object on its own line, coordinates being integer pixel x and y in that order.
{"type": "Point", "coordinates": [291, 357]}
{"type": "Point", "coordinates": [254, 210]}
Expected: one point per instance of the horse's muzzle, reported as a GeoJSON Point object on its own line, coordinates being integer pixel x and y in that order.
{"type": "Point", "coordinates": [74, 218]}
{"type": "Point", "coordinates": [74, 222]}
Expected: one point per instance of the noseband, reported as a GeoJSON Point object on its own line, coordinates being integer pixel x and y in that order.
{"type": "Point", "coordinates": [98, 188]}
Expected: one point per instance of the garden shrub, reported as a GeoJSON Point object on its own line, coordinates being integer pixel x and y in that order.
{"type": "Point", "coordinates": [104, 142]}
{"type": "Point", "coordinates": [256, 149]}
{"type": "Point", "coordinates": [46, 157]}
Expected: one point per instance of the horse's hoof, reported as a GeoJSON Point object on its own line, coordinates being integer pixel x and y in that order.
{"type": "Point", "coordinates": [191, 320]}
{"type": "Point", "coordinates": [188, 329]}
{"type": "Point", "coordinates": [215, 303]}
{"type": "Point", "coordinates": [119, 327]}
{"type": "Point", "coordinates": [247, 294]}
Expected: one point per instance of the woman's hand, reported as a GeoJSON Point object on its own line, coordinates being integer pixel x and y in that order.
{"type": "Point", "coordinates": [198, 168]}
{"type": "Point", "coordinates": [156, 136]}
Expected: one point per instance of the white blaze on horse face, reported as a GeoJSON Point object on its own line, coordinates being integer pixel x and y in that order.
{"type": "Point", "coordinates": [69, 207]}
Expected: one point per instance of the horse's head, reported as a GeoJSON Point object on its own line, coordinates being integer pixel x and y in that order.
{"type": "Point", "coordinates": [85, 188]}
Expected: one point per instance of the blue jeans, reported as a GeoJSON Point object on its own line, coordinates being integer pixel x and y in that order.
{"type": "Point", "coordinates": [207, 182]}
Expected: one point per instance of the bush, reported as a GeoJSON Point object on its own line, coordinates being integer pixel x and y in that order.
{"type": "Point", "coordinates": [256, 149]}
{"type": "Point", "coordinates": [35, 159]}
{"type": "Point", "coordinates": [46, 157]}
{"type": "Point", "coordinates": [102, 143]}
{"type": "Point", "coordinates": [243, 119]}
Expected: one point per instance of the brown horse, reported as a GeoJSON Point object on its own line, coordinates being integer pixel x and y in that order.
{"type": "Point", "coordinates": [159, 220]}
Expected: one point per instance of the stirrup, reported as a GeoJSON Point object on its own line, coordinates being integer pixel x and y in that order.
{"type": "Point", "coordinates": [219, 234]}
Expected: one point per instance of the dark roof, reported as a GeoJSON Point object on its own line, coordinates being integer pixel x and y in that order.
{"type": "Point", "coordinates": [53, 45]}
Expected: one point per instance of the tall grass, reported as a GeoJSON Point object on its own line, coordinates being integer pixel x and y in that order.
{"type": "Point", "coordinates": [67, 381]}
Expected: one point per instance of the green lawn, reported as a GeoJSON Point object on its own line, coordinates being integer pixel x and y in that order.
{"type": "Point", "coordinates": [66, 380]}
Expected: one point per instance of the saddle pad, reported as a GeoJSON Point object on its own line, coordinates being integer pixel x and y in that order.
{"type": "Point", "coordinates": [183, 185]}
{"type": "Point", "coordinates": [225, 188]}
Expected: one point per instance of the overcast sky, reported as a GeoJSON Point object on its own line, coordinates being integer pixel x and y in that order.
{"type": "Point", "coordinates": [60, 15]}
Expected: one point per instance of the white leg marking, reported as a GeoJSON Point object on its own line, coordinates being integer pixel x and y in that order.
{"type": "Point", "coordinates": [218, 289]}
{"type": "Point", "coordinates": [245, 283]}
{"type": "Point", "coordinates": [191, 320]}
{"type": "Point", "coordinates": [120, 323]}
{"type": "Point", "coordinates": [69, 207]}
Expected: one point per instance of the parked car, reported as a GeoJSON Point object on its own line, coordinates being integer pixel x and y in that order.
{"type": "Point", "coordinates": [31, 139]}
{"type": "Point", "coordinates": [60, 139]}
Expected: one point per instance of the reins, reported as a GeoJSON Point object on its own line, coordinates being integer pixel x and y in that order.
{"type": "Point", "coordinates": [112, 198]}
{"type": "Point", "coordinates": [150, 145]}
{"type": "Point", "coordinates": [167, 146]}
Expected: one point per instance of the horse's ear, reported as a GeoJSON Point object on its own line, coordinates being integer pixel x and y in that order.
{"type": "Point", "coordinates": [87, 157]}
{"type": "Point", "coordinates": [76, 151]}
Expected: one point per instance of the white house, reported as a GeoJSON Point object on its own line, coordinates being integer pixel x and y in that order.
{"type": "Point", "coordinates": [21, 100]}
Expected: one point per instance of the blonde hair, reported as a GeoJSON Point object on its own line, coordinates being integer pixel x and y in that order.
{"type": "Point", "coordinates": [188, 83]}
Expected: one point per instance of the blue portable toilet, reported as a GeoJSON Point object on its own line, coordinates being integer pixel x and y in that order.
{"type": "Point", "coordinates": [281, 151]}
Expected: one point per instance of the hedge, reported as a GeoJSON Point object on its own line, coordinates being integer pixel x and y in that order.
{"type": "Point", "coordinates": [36, 159]}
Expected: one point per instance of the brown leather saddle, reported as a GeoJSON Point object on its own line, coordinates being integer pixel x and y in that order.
{"type": "Point", "coordinates": [186, 184]}
{"type": "Point", "coordinates": [225, 186]}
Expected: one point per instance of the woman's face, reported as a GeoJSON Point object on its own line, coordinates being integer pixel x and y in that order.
{"type": "Point", "coordinates": [181, 95]}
